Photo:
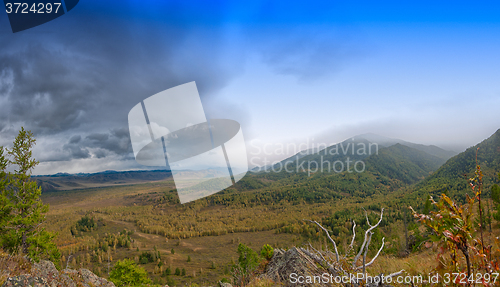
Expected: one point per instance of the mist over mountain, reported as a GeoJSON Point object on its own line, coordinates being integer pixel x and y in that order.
{"type": "Point", "coordinates": [386, 141]}
{"type": "Point", "coordinates": [452, 176]}
{"type": "Point", "coordinates": [356, 148]}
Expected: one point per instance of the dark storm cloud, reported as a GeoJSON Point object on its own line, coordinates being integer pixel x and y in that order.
{"type": "Point", "coordinates": [75, 152]}
{"type": "Point", "coordinates": [44, 93]}
{"type": "Point", "coordinates": [75, 139]}
{"type": "Point", "coordinates": [98, 137]}
{"type": "Point", "coordinates": [95, 145]}
{"type": "Point", "coordinates": [73, 80]}
{"type": "Point", "coordinates": [92, 68]}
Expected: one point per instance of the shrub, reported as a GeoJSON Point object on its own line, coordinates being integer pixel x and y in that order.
{"type": "Point", "coordinates": [126, 273]}
{"type": "Point", "coordinates": [86, 223]}
{"type": "Point", "coordinates": [167, 272]}
{"type": "Point", "coordinates": [145, 258]}
{"type": "Point", "coordinates": [267, 251]}
{"type": "Point", "coordinates": [248, 260]}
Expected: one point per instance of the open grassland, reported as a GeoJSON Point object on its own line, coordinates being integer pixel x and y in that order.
{"type": "Point", "coordinates": [202, 237]}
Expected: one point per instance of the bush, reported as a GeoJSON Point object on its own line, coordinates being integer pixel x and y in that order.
{"type": "Point", "coordinates": [126, 273]}
{"type": "Point", "coordinates": [86, 223]}
{"type": "Point", "coordinates": [177, 271]}
{"type": "Point", "coordinates": [248, 260]}
{"type": "Point", "coordinates": [145, 258]}
{"type": "Point", "coordinates": [267, 251]}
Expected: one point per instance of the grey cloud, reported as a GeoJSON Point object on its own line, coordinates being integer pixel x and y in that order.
{"type": "Point", "coordinates": [100, 154]}
{"type": "Point", "coordinates": [98, 137]}
{"type": "Point", "coordinates": [78, 77]}
{"type": "Point", "coordinates": [88, 76]}
{"type": "Point", "coordinates": [75, 139]}
{"type": "Point", "coordinates": [76, 152]}
{"type": "Point", "coordinates": [42, 91]}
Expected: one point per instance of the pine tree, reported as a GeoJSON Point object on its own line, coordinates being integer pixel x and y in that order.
{"type": "Point", "coordinates": [22, 232]}
{"type": "Point", "coordinates": [5, 206]}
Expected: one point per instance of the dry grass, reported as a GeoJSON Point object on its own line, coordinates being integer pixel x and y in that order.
{"type": "Point", "coordinates": [259, 282]}
{"type": "Point", "coordinates": [13, 265]}
{"type": "Point", "coordinates": [420, 263]}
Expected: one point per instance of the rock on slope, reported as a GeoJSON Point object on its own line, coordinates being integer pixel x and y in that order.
{"type": "Point", "coordinates": [300, 262]}
{"type": "Point", "coordinates": [293, 261]}
{"type": "Point", "coordinates": [45, 274]}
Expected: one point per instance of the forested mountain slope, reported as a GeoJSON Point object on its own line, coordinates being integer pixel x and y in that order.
{"type": "Point", "coordinates": [453, 175]}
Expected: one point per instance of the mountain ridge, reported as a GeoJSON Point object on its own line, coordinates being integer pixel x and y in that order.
{"type": "Point", "coordinates": [452, 176]}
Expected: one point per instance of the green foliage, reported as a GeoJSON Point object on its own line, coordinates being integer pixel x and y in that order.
{"type": "Point", "coordinates": [127, 273]}
{"type": "Point", "coordinates": [146, 257]}
{"type": "Point", "coordinates": [177, 271]}
{"type": "Point", "coordinates": [183, 272]}
{"type": "Point", "coordinates": [170, 281]}
{"type": "Point", "coordinates": [248, 259]}
{"type": "Point", "coordinates": [450, 176]}
{"type": "Point", "coordinates": [5, 205]}
{"type": "Point", "coordinates": [86, 223]}
{"type": "Point", "coordinates": [495, 196]}
{"type": "Point", "coordinates": [452, 225]}
{"type": "Point", "coordinates": [22, 211]}
{"type": "Point", "coordinates": [167, 272]}
{"type": "Point", "coordinates": [267, 251]}
{"type": "Point", "coordinates": [189, 259]}
{"type": "Point", "coordinates": [172, 251]}
{"type": "Point", "coordinates": [427, 206]}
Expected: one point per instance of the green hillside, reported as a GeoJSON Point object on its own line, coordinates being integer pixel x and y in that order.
{"type": "Point", "coordinates": [452, 175]}
{"type": "Point", "coordinates": [402, 163]}
{"type": "Point", "coordinates": [392, 168]}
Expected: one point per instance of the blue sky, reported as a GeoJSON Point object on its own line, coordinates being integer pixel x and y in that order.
{"type": "Point", "coordinates": [288, 71]}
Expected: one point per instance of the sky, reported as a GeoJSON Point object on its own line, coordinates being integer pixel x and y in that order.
{"type": "Point", "coordinates": [290, 72]}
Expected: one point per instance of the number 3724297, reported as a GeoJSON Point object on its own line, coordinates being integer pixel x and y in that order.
{"type": "Point", "coordinates": [462, 278]}
{"type": "Point", "coordinates": [35, 8]}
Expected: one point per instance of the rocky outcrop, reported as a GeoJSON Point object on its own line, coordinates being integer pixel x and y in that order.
{"type": "Point", "coordinates": [300, 267]}
{"type": "Point", "coordinates": [287, 265]}
{"type": "Point", "coordinates": [45, 274]}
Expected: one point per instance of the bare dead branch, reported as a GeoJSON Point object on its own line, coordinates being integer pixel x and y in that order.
{"type": "Point", "coordinates": [375, 257]}
{"type": "Point", "coordinates": [316, 258]}
{"type": "Point", "coordinates": [366, 236]}
{"type": "Point", "coordinates": [351, 246]}
{"type": "Point", "coordinates": [317, 252]}
{"type": "Point", "coordinates": [395, 274]}
{"type": "Point", "coordinates": [329, 237]}
{"type": "Point", "coordinates": [366, 252]}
